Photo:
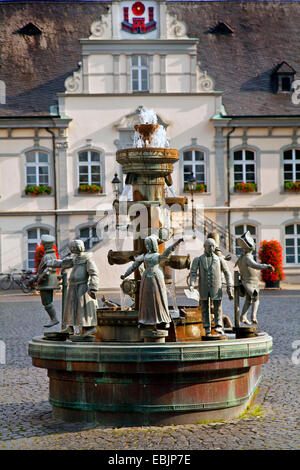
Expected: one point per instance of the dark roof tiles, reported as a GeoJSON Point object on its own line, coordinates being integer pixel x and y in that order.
{"type": "Point", "coordinates": [265, 34]}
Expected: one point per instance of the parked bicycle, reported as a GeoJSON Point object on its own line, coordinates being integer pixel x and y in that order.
{"type": "Point", "coordinates": [22, 281]}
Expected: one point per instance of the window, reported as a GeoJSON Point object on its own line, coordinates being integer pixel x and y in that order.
{"type": "Point", "coordinates": [37, 168]}
{"type": "Point", "coordinates": [89, 168]}
{"type": "Point", "coordinates": [244, 166]}
{"type": "Point", "coordinates": [292, 244]}
{"type": "Point", "coordinates": [239, 230]}
{"type": "Point", "coordinates": [139, 73]}
{"type": "Point", "coordinates": [29, 30]}
{"type": "Point", "coordinates": [89, 236]}
{"type": "Point", "coordinates": [194, 162]}
{"type": "Point", "coordinates": [286, 83]}
{"type": "Point", "coordinates": [33, 239]}
{"type": "Point", "coordinates": [282, 78]}
{"type": "Point", "coordinates": [291, 165]}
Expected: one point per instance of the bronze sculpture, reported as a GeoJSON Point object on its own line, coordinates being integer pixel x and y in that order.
{"type": "Point", "coordinates": [81, 304]}
{"type": "Point", "coordinates": [249, 268]}
{"type": "Point", "coordinates": [153, 306]}
{"type": "Point", "coordinates": [209, 268]}
{"type": "Point", "coordinates": [46, 279]}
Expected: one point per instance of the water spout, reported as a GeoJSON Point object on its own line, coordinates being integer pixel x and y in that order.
{"type": "Point", "coordinates": [158, 137]}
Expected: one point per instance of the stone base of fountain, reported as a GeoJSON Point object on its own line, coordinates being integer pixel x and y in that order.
{"type": "Point", "coordinates": [125, 384]}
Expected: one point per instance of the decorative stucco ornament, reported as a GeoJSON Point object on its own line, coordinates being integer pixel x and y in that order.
{"type": "Point", "coordinates": [176, 29]}
{"type": "Point", "coordinates": [73, 84]}
{"type": "Point", "coordinates": [205, 83]}
{"type": "Point", "coordinates": [102, 29]}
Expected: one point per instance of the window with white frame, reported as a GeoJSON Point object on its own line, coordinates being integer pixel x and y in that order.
{"type": "Point", "coordinates": [37, 168]}
{"type": "Point", "coordinates": [139, 73]}
{"type": "Point", "coordinates": [89, 236]}
{"type": "Point", "coordinates": [239, 230]}
{"type": "Point", "coordinates": [292, 244]}
{"type": "Point", "coordinates": [194, 162]}
{"type": "Point", "coordinates": [244, 166]}
{"type": "Point", "coordinates": [89, 168]}
{"type": "Point", "coordinates": [34, 236]}
{"type": "Point", "coordinates": [291, 165]}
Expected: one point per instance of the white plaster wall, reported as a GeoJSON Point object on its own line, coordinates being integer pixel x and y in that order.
{"type": "Point", "coordinates": [94, 118]}
{"type": "Point", "coordinates": [13, 178]}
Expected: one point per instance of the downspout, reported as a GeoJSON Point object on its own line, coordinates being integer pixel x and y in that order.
{"type": "Point", "coordinates": [54, 182]}
{"type": "Point", "coordinates": [228, 188]}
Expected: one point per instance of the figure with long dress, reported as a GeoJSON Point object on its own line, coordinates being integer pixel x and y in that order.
{"type": "Point", "coordinates": [153, 303]}
{"type": "Point", "coordinates": [80, 307]}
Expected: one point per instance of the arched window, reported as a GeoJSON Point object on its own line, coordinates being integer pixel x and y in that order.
{"type": "Point", "coordinates": [292, 244]}
{"type": "Point", "coordinates": [194, 162]}
{"type": "Point", "coordinates": [37, 168]}
{"type": "Point", "coordinates": [239, 230]}
{"type": "Point", "coordinates": [244, 166]}
{"type": "Point", "coordinates": [89, 236]}
{"type": "Point", "coordinates": [33, 239]}
{"type": "Point", "coordinates": [291, 165]}
{"type": "Point", "coordinates": [89, 168]}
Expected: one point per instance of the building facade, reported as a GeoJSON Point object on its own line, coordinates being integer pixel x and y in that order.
{"type": "Point", "coordinates": [236, 130]}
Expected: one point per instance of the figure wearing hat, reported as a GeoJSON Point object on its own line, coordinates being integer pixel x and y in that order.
{"type": "Point", "coordinates": [249, 268]}
{"type": "Point", "coordinates": [209, 268]}
{"type": "Point", "coordinates": [81, 304]}
{"type": "Point", "coordinates": [46, 279]}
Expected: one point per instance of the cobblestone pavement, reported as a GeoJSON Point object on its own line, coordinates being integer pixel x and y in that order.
{"type": "Point", "coordinates": [271, 423]}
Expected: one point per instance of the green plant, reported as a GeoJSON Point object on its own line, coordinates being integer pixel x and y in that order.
{"type": "Point", "coordinates": [292, 186]}
{"type": "Point", "coordinates": [90, 188]}
{"type": "Point", "coordinates": [245, 187]}
{"type": "Point", "coordinates": [36, 190]}
{"type": "Point", "coordinates": [199, 188]}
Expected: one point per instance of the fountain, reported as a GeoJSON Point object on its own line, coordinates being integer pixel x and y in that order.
{"type": "Point", "coordinates": [127, 377]}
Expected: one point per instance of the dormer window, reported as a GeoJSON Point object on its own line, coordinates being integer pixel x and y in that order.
{"type": "Point", "coordinates": [282, 78]}
{"type": "Point", "coordinates": [221, 28]}
{"type": "Point", "coordinates": [29, 30]}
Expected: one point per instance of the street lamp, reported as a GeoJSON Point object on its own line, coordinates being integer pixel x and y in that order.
{"type": "Point", "coordinates": [191, 187]}
{"type": "Point", "coordinates": [116, 185]}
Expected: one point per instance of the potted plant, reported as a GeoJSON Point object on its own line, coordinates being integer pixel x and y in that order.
{"type": "Point", "coordinates": [39, 253]}
{"type": "Point", "coordinates": [245, 187]}
{"type": "Point", "coordinates": [90, 188]}
{"type": "Point", "coordinates": [199, 188]}
{"type": "Point", "coordinates": [292, 186]}
{"type": "Point", "coordinates": [270, 252]}
{"type": "Point", "coordinates": [40, 189]}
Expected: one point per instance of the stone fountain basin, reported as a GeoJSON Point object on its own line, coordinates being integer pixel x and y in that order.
{"type": "Point", "coordinates": [147, 160]}
{"type": "Point", "coordinates": [127, 384]}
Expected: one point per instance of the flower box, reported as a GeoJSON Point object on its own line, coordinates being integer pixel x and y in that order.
{"type": "Point", "coordinates": [199, 188]}
{"type": "Point", "coordinates": [292, 186]}
{"type": "Point", "coordinates": [90, 189]}
{"type": "Point", "coordinates": [245, 187]}
{"type": "Point", "coordinates": [270, 252]}
{"type": "Point", "coordinates": [41, 189]}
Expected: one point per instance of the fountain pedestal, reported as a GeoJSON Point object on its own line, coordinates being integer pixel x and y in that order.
{"type": "Point", "coordinates": [128, 384]}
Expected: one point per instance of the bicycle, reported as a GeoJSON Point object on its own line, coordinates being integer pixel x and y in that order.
{"type": "Point", "coordinates": [9, 280]}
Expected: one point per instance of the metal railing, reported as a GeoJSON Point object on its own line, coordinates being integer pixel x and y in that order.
{"type": "Point", "coordinates": [205, 225]}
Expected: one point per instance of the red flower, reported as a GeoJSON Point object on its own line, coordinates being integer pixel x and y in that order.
{"type": "Point", "coordinates": [271, 253]}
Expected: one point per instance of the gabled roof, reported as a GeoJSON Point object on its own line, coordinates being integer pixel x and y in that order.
{"type": "Point", "coordinates": [29, 30]}
{"type": "Point", "coordinates": [241, 64]}
{"type": "Point", "coordinates": [220, 28]}
{"type": "Point", "coordinates": [284, 67]}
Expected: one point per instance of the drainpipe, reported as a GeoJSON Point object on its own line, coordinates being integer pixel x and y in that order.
{"type": "Point", "coordinates": [228, 188]}
{"type": "Point", "coordinates": [54, 183]}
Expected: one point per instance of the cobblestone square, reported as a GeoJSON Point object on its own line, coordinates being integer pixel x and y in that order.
{"type": "Point", "coordinates": [271, 423]}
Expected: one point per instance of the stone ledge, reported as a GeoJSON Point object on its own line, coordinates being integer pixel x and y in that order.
{"type": "Point", "coordinates": [143, 352]}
